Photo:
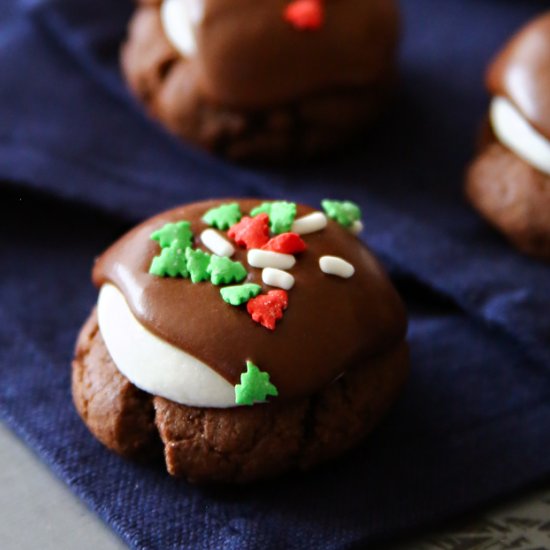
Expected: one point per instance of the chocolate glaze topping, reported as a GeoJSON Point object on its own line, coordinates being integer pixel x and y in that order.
{"type": "Point", "coordinates": [250, 57]}
{"type": "Point", "coordinates": [331, 324]}
{"type": "Point", "coordinates": [521, 72]}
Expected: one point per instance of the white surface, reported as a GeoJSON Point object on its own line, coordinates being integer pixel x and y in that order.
{"type": "Point", "coordinates": [278, 278]}
{"type": "Point", "coordinates": [517, 134]}
{"type": "Point", "coordinates": [38, 512]}
{"type": "Point", "coordinates": [179, 19]}
{"type": "Point", "coordinates": [519, 525]}
{"type": "Point", "coordinates": [154, 365]}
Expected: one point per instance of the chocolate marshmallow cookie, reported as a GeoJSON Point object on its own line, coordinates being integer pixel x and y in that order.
{"type": "Point", "coordinates": [509, 182]}
{"type": "Point", "coordinates": [241, 338]}
{"type": "Point", "coordinates": [263, 80]}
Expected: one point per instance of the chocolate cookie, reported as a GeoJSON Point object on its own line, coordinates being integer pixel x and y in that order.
{"type": "Point", "coordinates": [234, 444]}
{"type": "Point", "coordinates": [509, 182]}
{"type": "Point", "coordinates": [261, 80]}
{"type": "Point", "coordinates": [514, 197]}
{"type": "Point", "coordinates": [245, 338]}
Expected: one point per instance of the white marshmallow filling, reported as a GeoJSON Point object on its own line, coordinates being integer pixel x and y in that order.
{"type": "Point", "coordinates": [514, 131]}
{"type": "Point", "coordinates": [179, 19]}
{"type": "Point", "coordinates": [153, 364]}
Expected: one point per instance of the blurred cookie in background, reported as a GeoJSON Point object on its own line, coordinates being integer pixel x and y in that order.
{"type": "Point", "coordinates": [509, 181]}
{"type": "Point", "coordinates": [265, 81]}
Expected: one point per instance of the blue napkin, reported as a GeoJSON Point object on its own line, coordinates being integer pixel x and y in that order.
{"type": "Point", "coordinates": [84, 163]}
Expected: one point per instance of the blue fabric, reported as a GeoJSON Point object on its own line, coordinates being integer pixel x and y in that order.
{"type": "Point", "coordinates": [84, 163]}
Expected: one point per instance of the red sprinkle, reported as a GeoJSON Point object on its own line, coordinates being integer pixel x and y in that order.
{"type": "Point", "coordinates": [267, 309]}
{"type": "Point", "coordinates": [286, 243]}
{"type": "Point", "coordinates": [304, 15]}
{"type": "Point", "coordinates": [251, 232]}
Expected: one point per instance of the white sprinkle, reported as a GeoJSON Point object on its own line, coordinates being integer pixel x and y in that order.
{"type": "Point", "coordinates": [216, 243]}
{"type": "Point", "coordinates": [309, 224]}
{"type": "Point", "coordinates": [356, 227]}
{"type": "Point", "coordinates": [268, 258]}
{"type": "Point", "coordinates": [332, 265]}
{"type": "Point", "coordinates": [278, 278]}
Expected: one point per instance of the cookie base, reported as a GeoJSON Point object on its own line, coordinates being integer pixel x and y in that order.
{"type": "Point", "coordinates": [164, 81]}
{"type": "Point", "coordinates": [513, 196]}
{"type": "Point", "coordinates": [234, 445]}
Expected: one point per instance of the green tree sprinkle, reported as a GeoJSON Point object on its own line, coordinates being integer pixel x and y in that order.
{"type": "Point", "coordinates": [254, 387]}
{"type": "Point", "coordinates": [223, 271]}
{"type": "Point", "coordinates": [197, 264]}
{"type": "Point", "coordinates": [171, 262]}
{"type": "Point", "coordinates": [224, 216]}
{"type": "Point", "coordinates": [343, 212]}
{"type": "Point", "coordinates": [170, 232]}
{"type": "Point", "coordinates": [281, 215]}
{"type": "Point", "coordinates": [239, 294]}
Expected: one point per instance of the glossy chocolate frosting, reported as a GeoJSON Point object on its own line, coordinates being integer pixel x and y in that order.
{"type": "Point", "coordinates": [521, 72]}
{"type": "Point", "coordinates": [331, 324]}
{"type": "Point", "coordinates": [250, 57]}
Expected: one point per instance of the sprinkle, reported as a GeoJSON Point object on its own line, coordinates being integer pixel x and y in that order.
{"type": "Point", "coordinates": [332, 265]}
{"type": "Point", "coordinates": [223, 271]}
{"type": "Point", "coordinates": [170, 232]}
{"type": "Point", "coordinates": [172, 262]}
{"type": "Point", "coordinates": [281, 215]}
{"type": "Point", "coordinates": [266, 258]}
{"type": "Point", "coordinates": [357, 227]}
{"type": "Point", "coordinates": [251, 232]}
{"type": "Point", "coordinates": [304, 15]}
{"type": "Point", "coordinates": [224, 216]}
{"type": "Point", "coordinates": [267, 309]}
{"type": "Point", "coordinates": [216, 243]}
{"type": "Point", "coordinates": [197, 264]}
{"type": "Point", "coordinates": [309, 224]}
{"type": "Point", "coordinates": [239, 294]}
{"type": "Point", "coordinates": [343, 212]}
{"type": "Point", "coordinates": [254, 387]}
{"type": "Point", "coordinates": [278, 278]}
{"type": "Point", "coordinates": [286, 243]}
